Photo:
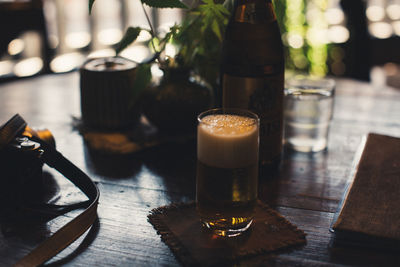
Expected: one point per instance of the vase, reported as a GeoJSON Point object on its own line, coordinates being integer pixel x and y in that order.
{"type": "Point", "coordinates": [173, 105]}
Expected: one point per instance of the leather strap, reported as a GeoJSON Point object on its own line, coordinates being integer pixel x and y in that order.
{"type": "Point", "coordinates": [75, 228]}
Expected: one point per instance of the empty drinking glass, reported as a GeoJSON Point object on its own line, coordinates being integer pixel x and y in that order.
{"type": "Point", "coordinates": [308, 109]}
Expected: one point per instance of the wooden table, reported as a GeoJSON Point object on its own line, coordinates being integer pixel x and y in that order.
{"type": "Point", "coordinates": [306, 191]}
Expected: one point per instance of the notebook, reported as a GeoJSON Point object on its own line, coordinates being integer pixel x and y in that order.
{"type": "Point", "coordinates": [369, 213]}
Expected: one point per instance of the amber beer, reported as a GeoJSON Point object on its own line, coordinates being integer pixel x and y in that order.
{"type": "Point", "coordinates": [227, 169]}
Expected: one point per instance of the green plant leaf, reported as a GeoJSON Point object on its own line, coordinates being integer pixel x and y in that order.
{"type": "Point", "coordinates": [222, 9]}
{"type": "Point", "coordinates": [164, 3]}
{"type": "Point", "coordinates": [216, 29]}
{"type": "Point", "coordinates": [130, 36]}
{"type": "Point", "coordinates": [91, 2]}
{"type": "Point", "coordinates": [142, 80]}
{"type": "Point", "coordinates": [208, 2]}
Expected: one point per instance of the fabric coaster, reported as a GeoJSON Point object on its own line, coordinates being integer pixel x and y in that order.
{"type": "Point", "coordinates": [181, 229]}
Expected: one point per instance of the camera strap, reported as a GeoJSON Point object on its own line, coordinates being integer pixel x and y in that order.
{"type": "Point", "coordinates": [76, 227]}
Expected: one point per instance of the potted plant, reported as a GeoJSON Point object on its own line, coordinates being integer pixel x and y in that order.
{"type": "Point", "coordinates": [191, 76]}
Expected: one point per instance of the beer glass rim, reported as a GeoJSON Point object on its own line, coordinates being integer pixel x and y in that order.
{"type": "Point", "coordinates": [229, 111]}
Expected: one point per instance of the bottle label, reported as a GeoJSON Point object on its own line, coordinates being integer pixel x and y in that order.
{"type": "Point", "coordinates": [264, 96]}
{"type": "Point", "coordinates": [253, 13]}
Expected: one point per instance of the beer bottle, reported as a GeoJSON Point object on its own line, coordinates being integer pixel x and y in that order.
{"type": "Point", "coordinates": [252, 72]}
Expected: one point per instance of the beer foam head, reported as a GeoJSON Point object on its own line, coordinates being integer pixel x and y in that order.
{"type": "Point", "coordinates": [227, 141]}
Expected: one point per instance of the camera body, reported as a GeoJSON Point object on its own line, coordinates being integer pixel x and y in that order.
{"type": "Point", "coordinates": [23, 188]}
{"type": "Point", "coordinates": [21, 166]}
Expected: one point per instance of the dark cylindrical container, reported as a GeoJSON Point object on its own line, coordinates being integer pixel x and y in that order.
{"type": "Point", "coordinates": [107, 93]}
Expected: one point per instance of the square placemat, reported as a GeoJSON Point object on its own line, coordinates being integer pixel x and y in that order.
{"type": "Point", "coordinates": [180, 228]}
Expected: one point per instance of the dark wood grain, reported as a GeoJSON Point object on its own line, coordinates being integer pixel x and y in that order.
{"type": "Point", "coordinates": [306, 190]}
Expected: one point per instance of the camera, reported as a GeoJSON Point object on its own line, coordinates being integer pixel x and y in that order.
{"type": "Point", "coordinates": [21, 163]}
{"type": "Point", "coordinates": [23, 151]}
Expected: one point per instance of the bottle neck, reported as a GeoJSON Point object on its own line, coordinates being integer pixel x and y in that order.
{"type": "Point", "coordinates": [253, 11]}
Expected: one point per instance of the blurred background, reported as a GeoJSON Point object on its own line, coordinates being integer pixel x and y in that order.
{"type": "Point", "coordinates": [346, 38]}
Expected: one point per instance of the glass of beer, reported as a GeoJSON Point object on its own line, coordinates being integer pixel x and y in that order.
{"type": "Point", "coordinates": [227, 169]}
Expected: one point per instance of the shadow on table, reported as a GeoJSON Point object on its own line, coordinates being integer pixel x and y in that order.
{"type": "Point", "coordinates": [111, 166]}
{"type": "Point", "coordinates": [170, 164]}
{"type": "Point", "coordinates": [16, 215]}
{"type": "Point", "coordinates": [363, 255]}
{"type": "Point", "coordinates": [85, 243]}
{"type": "Point", "coordinates": [27, 221]}
{"type": "Point", "coordinates": [175, 163]}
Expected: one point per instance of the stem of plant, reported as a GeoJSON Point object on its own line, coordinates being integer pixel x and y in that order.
{"type": "Point", "coordinates": [152, 32]}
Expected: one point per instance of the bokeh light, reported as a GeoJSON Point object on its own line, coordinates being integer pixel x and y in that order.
{"type": "Point", "coordinates": [16, 46]}
{"type": "Point", "coordinates": [393, 11]}
{"type": "Point", "coordinates": [28, 67]}
{"type": "Point", "coordinates": [375, 13]}
{"type": "Point", "coordinates": [109, 36]}
{"type": "Point", "coordinates": [67, 62]}
{"type": "Point", "coordinates": [334, 16]}
{"type": "Point", "coordinates": [77, 39]}
{"type": "Point", "coordinates": [396, 27]}
{"type": "Point", "coordinates": [381, 30]}
{"type": "Point", "coordinates": [6, 67]}
{"type": "Point", "coordinates": [338, 34]}
{"type": "Point", "coordinates": [295, 40]}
